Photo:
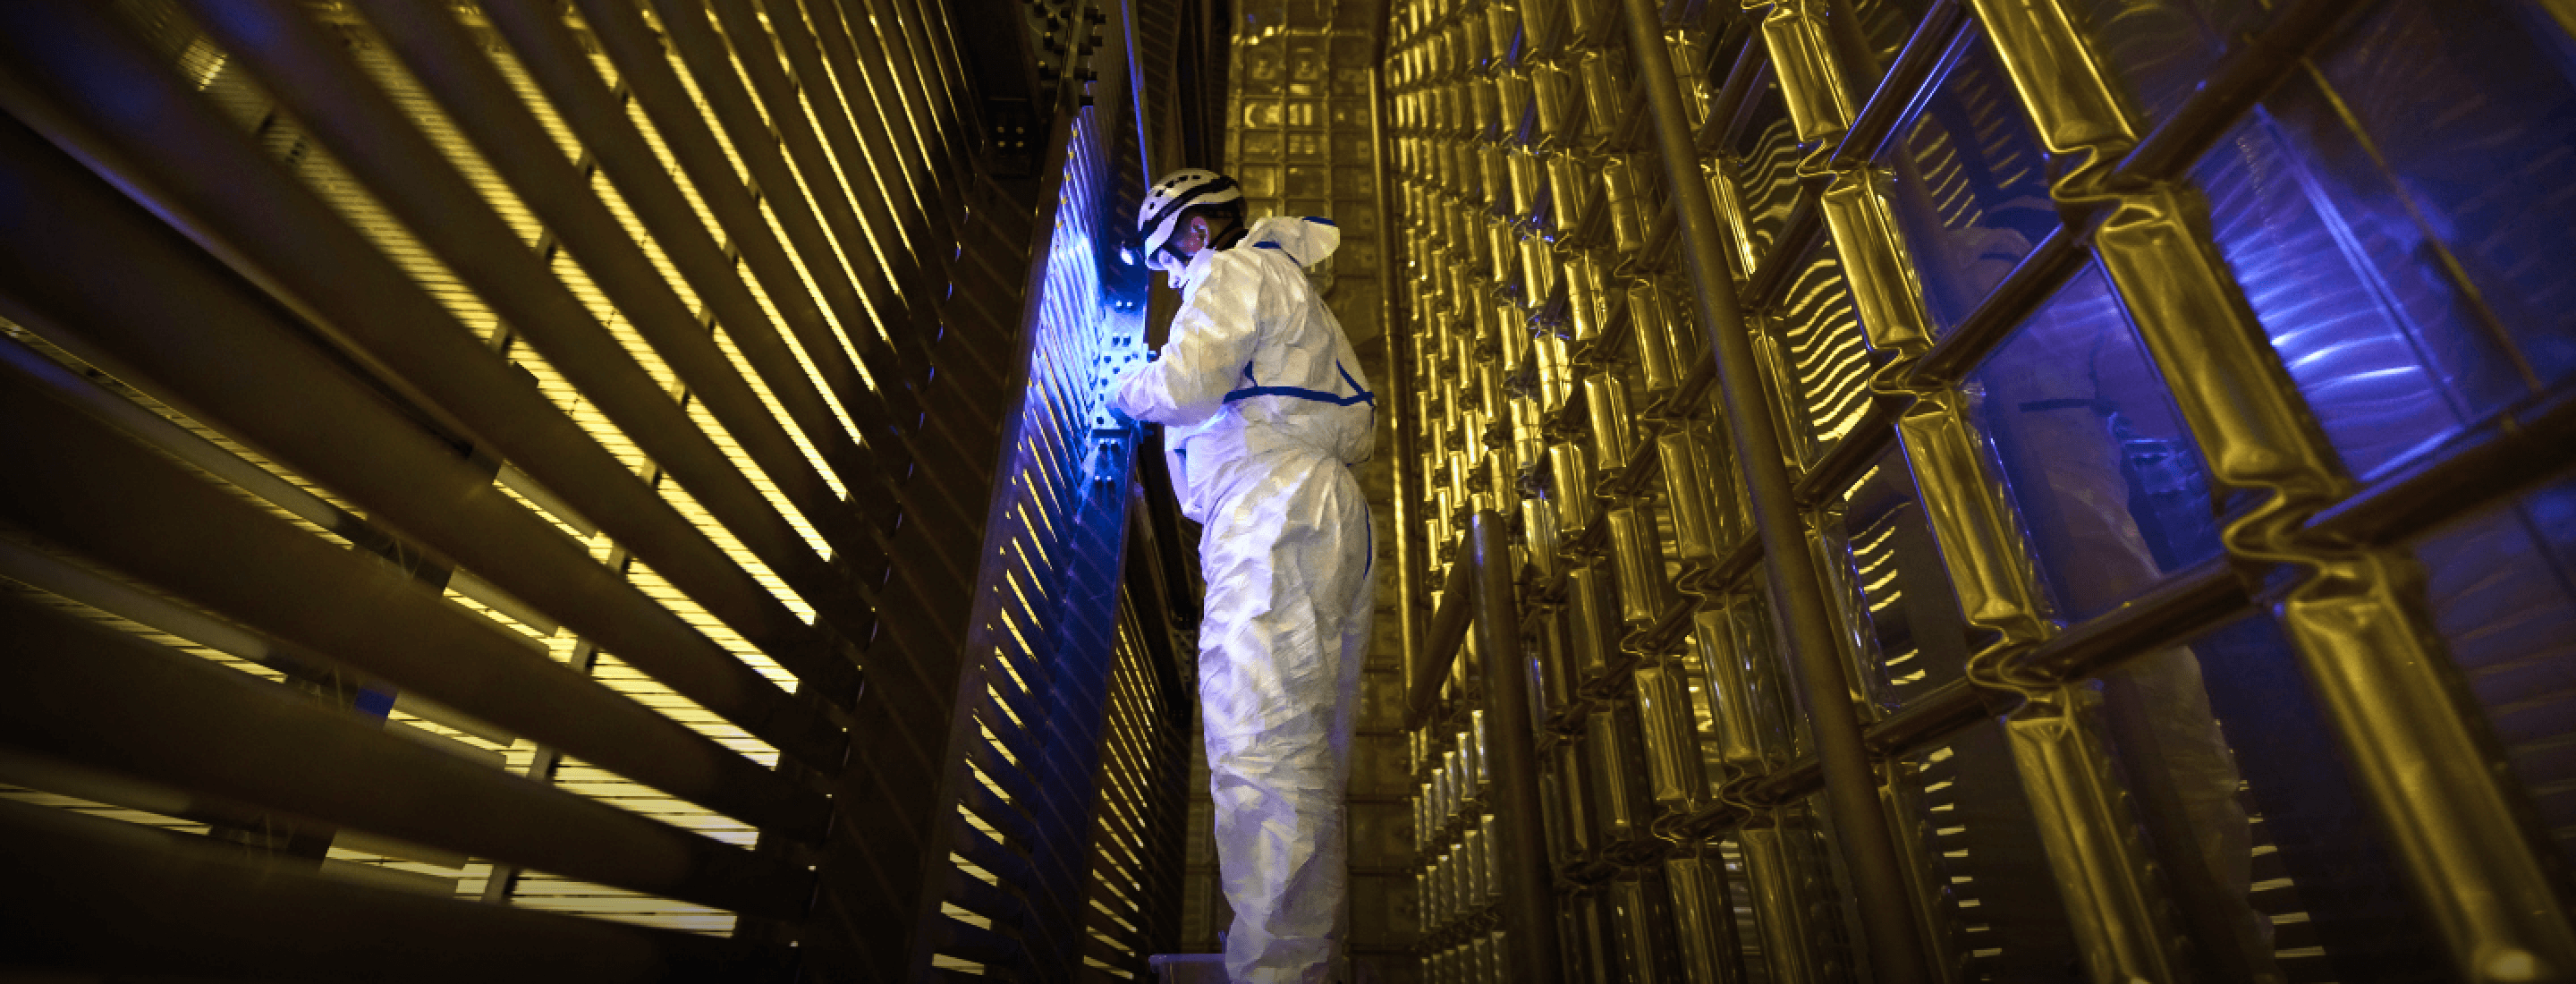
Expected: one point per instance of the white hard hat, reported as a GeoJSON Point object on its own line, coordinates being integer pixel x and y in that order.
{"type": "Point", "coordinates": [1175, 194]}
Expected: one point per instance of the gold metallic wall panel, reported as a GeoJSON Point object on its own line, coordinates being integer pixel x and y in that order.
{"type": "Point", "coordinates": [1920, 210]}
{"type": "Point", "coordinates": [1819, 106]}
{"type": "Point", "coordinates": [753, 457]}
{"type": "Point", "coordinates": [2091, 840]}
{"type": "Point", "coordinates": [2356, 616]}
{"type": "Point", "coordinates": [2059, 81]}
{"type": "Point", "coordinates": [2223, 374]}
{"type": "Point", "coordinates": [1981, 546]}
{"type": "Point", "coordinates": [1882, 276]}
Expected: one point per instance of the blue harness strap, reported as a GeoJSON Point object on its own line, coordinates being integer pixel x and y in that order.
{"type": "Point", "coordinates": [1274, 244]}
{"type": "Point", "coordinates": [1358, 396]}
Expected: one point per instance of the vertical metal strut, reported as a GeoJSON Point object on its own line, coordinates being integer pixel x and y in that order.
{"type": "Point", "coordinates": [1398, 387]}
{"type": "Point", "coordinates": [1529, 902]}
{"type": "Point", "coordinates": [1798, 603]}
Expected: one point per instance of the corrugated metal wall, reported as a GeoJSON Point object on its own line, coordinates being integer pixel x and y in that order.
{"type": "Point", "coordinates": [1056, 855]}
{"type": "Point", "coordinates": [511, 490]}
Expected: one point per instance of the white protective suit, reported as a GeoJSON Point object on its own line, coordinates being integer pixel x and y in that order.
{"type": "Point", "coordinates": [1265, 411]}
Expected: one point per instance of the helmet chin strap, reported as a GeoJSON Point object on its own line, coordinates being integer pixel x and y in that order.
{"type": "Point", "coordinates": [1233, 234]}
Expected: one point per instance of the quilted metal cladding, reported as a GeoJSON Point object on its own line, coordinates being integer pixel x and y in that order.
{"type": "Point", "coordinates": [2052, 431]}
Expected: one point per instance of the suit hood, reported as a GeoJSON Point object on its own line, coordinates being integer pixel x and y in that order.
{"type": "Point", "coordinates": [1308, 241]}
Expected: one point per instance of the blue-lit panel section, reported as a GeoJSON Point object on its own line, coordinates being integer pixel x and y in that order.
{"type": "Point", "coordinates": [2107, 480]}
{"type": "Point", "coordinates": [2237, 774]}
{"type": "Point", "coordinates": [2473, 122]}
{"type": "Point", "coordinates": [1044, 646]}
{"type": "Point", "coordinates": [2158, 51]}
{"type": "Point", "coordinates": [1971, 183]}
{"type": "Point", "coordinates": [2397, 220]}
{"type": "Point", "coordinates": [2502, 588]}
{"type": "Point", "coordinates": [2349, 330]}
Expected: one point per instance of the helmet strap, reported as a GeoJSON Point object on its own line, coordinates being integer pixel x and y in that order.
{"type": "Point", "coordinates": [1234, 233]}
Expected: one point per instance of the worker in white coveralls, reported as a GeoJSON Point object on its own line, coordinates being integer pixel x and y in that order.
{"type": "Point", "coordinates": [1265, 410]}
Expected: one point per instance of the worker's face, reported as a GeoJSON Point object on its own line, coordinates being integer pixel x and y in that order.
{"type": "Point", "coordinates": [1186, 242]}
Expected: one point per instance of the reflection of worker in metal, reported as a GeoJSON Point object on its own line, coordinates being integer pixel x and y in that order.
{"type": "Point", "coordinates": [2112, 489]}
{"type": "Point", "coordinates": [1266, 411]}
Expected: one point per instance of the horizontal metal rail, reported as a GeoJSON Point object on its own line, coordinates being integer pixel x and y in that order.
{"type": "Point", "coordinates": [208, 340]}
{"type": "Point", "coordinates": [596, 456]}
{"type": "Point", "coordinates": [226, 193]}
{"type": "Point", "coordinates": [98, 895]}
{"type": "Point", "coordinates": [145, 516]}
{"type": "Point", "coordinates": [84, 693]}
{"type": "Point", "coordinates": [2498, 458]}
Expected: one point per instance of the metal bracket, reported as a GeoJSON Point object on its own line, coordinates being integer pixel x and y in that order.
{"type": "Point", "coordinates": [1122, 348]}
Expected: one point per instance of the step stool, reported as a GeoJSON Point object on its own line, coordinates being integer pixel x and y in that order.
{"type": "Point", "coordinates": [1188, 968]}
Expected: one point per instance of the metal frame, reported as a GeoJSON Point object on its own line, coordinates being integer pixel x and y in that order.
{"type": "Point", "coordinates": [1480, 597]}
{"type": "Point", "coordinates": [1495, 107]}
{"type": "Point", "coordinates": [589, 457]}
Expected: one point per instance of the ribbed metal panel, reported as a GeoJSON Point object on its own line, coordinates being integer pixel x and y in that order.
{"type": "Point", "coordinates": [485, 472]}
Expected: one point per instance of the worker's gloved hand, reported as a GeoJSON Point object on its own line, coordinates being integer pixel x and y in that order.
{"type": "Point", "coordinates": [1111, 407]}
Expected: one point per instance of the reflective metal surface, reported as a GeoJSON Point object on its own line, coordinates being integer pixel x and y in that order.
{"type": "Point", "coordinates": [605, 490]}
{"type": "Point", "coordinates": [2061, 325]}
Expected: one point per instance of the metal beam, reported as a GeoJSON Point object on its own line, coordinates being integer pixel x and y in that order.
{"type": "Point", "coordinates": [66, 62]}
{"type": "Point", "coordinates": [93, 896]}
{"type": "Point", "coordinates": [1399, 382]}
{"type": "Point", "coordinates": [1440, 646]}
{"type": "Point", "coordinates": [2501, 457]}
{"type": "Point", "coordinates": [1529, 901]}
{"type": "Point", "coordinates": [82, 692]}
{"type": "Point", "coordinates": [92, 490]}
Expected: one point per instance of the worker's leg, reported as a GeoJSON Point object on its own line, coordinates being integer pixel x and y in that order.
{"type": "Point", "coordinates": [1280, 647]}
